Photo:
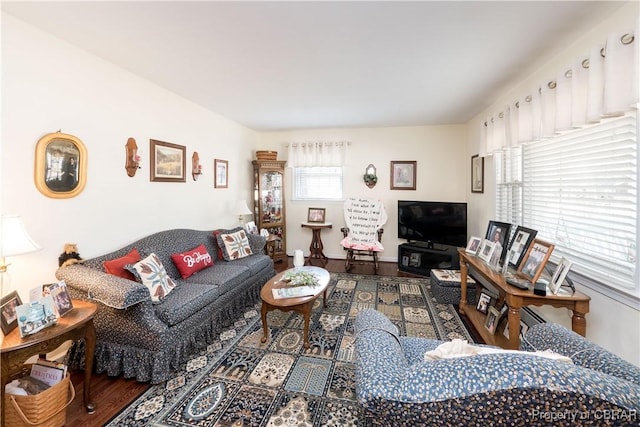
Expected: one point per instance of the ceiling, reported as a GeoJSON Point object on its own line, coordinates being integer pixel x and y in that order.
{"type": "Point", "coordinates": [301, 65]}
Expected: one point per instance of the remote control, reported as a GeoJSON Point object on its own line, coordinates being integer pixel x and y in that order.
{"type": "Point", "coordinates": [518, 284]}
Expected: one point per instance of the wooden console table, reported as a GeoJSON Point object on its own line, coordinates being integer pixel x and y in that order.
{"type": "Point", "coordinates": [515, 299]}
{"type": "Point", "coordinates": [316, 247]}
{"type": "Point", "coordinates": [77, 324]}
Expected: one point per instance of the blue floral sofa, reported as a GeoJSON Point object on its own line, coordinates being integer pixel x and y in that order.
{"type": "Point", "coordinates": [145, 339]}
{"type": "Point", "coordinates": [395, 386]}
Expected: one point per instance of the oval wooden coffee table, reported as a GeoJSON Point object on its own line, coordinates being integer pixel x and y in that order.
{"type": "Point", "coordinates": [300, 305]}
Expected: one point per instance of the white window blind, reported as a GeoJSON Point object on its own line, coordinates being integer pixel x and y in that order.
{"type": "Point", "coordinates": [579, 190]}
{"type": "Point", "coordinates": [508, 166]}
{"type": "Point", "coordinates": [317, 183]}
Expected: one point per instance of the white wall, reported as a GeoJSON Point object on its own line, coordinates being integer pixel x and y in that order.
{"type": "Point", "coordinates": [443, 166]}
{"type": "Point", "coordinates": [48, 85]}
{"type": "Point", "coordinates": [611, 324]}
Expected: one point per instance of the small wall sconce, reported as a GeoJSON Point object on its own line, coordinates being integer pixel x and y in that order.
{"type": "Point", "coordinates": [132, 159]}
{"type": "Point", "coordinates": [370, 177]}
{"type": "Point", "coordinates": [196, 167]}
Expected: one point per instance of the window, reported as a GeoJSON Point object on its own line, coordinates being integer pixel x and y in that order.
{"type": "Point", "coordinates": [317, 183]}
{"type": "Point", "coordinates": [579, 190]}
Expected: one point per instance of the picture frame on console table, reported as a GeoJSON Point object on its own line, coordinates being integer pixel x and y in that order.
{"type": "Point", "coordinates": [559, 275]}
{"type": "Point", "coordinates": [499, 232]}
{"type": "Point", "coordinates": [486, 250]}
{"type": "Point", "coordinates": [518, 246]}
{"type": "Point", "coordinates": [536, 258]}
{"type": "Point", "coordinates": [316, 215]}
{"type": "Point", "coordinates": [474, 245]}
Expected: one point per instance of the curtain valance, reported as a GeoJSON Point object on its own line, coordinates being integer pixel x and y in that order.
{"type": "Point", "coordinates": [604, 84]}
{"type": "Point", "coordinates": [317, 153]}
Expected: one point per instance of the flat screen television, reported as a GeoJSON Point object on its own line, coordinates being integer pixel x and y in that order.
{"type": "Point", "coordinates": [443, 223]}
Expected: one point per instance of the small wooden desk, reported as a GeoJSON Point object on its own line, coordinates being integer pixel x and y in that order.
{"type": "Point", "coordinates": [316, 247]}
{"type": "Point", "coordinates": [300, 305]}
{"type": "Point", "coordinates": [515, 299]}
{"type": "Point", "coordinates": [77, 324]}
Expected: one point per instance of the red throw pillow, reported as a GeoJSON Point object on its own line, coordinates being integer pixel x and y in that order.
{"type": "Point", "coordinates": [216, 233]}
{"type": "Point", "coordinates": [192, 261]}
{"type": "Point", "coordinates": [116, 266]}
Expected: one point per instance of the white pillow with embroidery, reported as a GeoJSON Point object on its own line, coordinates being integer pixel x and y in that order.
{"type": "Point", "coordinates": [152, 274]}
{"type": "Point", "coordinates": [234, 245]}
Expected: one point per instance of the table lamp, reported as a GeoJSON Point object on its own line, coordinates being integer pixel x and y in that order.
{"type": "Point", "coordinates": [242, 209]}
{"type": "Point", "coordinates": [14, 240]}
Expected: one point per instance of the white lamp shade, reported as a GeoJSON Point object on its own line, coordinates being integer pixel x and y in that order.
{"type": "Point", "coordinates": [14, 239]}
{"type": "Point", "coordinates": [242, 208]}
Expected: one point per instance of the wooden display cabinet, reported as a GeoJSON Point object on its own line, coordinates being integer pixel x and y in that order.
{"type": "Point", "coordinates": [268, 202]}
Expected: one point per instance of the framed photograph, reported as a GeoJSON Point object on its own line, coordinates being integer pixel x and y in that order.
{"type": "Point", "coordinates": [316, 215]}
{"type": "Point", "coordinates": [558, 276]}
{"type": "Point", "coordinates": [403, 175]}
{"type": "Point", "coordinates": [474, 245]}
{"type": "Point", "coordinates": [486, 250]}
{"type": "Point", "coordinates": [484, 302]}
{"type": "Point", "coordinates": [477, 174]}
{"type": "Point", "coordinates": [60, 295]}
{"type": "Point", "coordinates": [494, 261]}
{"type": "Point", "coordinates": [9, 319]}
{"type": "Point", "coordinates": [518, 246]}
{"type": "Point", "coordinates": [499, 232]}
{"type": "Point", "coordinates": [35, 315]}
{"type": "Point", "coordinates": [221, 175]}
{"type": "Point", "coordinates": [168, 161]}
{"type": "Point", "coordinates": [491, 322]}
{"type": "Point", "coordinates": [61, 165]}
{"type": "Point", "coordinates": [523, 329]}
{"type": "Point", "coordinates": [535, 259]}
{"type": "Point", "coordinates": [414, 260]}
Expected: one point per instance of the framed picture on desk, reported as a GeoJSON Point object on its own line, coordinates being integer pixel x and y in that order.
{"type": "Point", "coordinates": [534, 261]}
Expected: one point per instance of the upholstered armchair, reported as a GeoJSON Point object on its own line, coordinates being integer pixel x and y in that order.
{"type": "Point", "coordinates": [396, 386]}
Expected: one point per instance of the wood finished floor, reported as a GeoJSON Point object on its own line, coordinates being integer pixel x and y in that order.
{"type": "Point", "coordinates": [111, 395]}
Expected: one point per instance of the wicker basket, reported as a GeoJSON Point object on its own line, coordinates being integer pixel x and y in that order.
{"type": "Point", "coordinates": [45, 409]}
{"type": "Point", "coordinates": [266, 155]}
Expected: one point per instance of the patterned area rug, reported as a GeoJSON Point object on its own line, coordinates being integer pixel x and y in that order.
{"type": "Point", "coordinates": [239, 381]}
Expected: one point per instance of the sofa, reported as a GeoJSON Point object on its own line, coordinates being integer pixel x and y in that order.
{"type": "Point", "coordinates": [396, 386]}
{"type": "Point", "coordinates": [146, 332]}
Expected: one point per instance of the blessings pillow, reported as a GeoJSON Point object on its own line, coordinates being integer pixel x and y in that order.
{"type": "Point", "coordinates": [192, 261]}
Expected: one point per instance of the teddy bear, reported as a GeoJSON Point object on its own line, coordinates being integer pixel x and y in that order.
{"type": "Point", "coordinates": [70, 255]}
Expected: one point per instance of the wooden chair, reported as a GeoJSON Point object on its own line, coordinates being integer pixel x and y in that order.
{"type": "Point", "coordinates": [363, 231]}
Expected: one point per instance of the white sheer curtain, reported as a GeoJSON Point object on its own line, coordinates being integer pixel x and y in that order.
{"type": "Point", "coordinates": [317, 153]}
{"type": "Point", "coordinates": [602, 85]}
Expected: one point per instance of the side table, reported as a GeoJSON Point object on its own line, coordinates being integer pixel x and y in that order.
{"type": "Point", "coordinates": [77, 324]}
{"type": "Point", "coordinates": [270, 246]}
{"type": "Point", "coordinates": [316, 247]}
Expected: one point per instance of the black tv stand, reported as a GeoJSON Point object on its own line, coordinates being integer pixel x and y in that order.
{"type": "Point", "coordinates": [421, 257]}
{"type": "Point", "coordinates": [430, 245]}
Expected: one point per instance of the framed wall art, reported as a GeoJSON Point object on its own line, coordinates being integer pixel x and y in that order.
{"type": "Point", "coordinates": [477, 174]}
{"type": "Point", "coordinates": [403, 175]}
{"type": "Point", "coordinates": [221, 175]}
{"type": "Point", "coordinates": [8, 315]}
{"type": "Point", "coordinates": [61, 166]}
{"type": "Point", "coordinates": [168, 161]}
{"type": "Point", "coordinates": [534, 261]}
{"type": "Point", "coordinates": [316, 215]}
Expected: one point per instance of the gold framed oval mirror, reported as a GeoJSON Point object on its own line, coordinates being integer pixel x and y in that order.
{"type": "Point", "coordinates": [61, 165]}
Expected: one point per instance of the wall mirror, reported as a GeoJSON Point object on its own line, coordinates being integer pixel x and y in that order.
{"type": "Point", "coordinates": [61, 165]}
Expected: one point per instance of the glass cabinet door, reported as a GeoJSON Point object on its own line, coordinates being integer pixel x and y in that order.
{"type": "Point", "coordinates": [271, 197]}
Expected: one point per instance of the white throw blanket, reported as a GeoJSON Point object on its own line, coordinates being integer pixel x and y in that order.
{"type": "Point", "coordinates": [461, 348]}
{"type": "Point", "coordinates": [363, 217]}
